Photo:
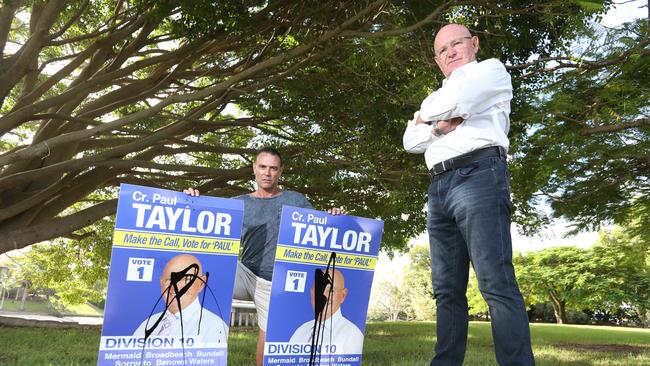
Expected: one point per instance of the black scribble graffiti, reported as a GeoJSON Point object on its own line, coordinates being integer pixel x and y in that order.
{"type": "Point", "coordinates": [322, 303]}
{"type": "Point", "coordinates": [185, 279]}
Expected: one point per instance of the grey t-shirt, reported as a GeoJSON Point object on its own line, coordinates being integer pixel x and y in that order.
{"type": "Point", "coordinates": [261, 227]}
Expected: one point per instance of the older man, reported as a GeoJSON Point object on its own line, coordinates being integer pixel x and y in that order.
{"type": "Point", "coordinates": [341, 335]}
{"type": "Point", "coordinates": [462, 130]}
{"type": "Point", "coordinates": [181, 282]}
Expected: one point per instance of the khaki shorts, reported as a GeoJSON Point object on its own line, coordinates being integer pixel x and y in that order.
{"type": "Point", "coordinates": [249, 287]}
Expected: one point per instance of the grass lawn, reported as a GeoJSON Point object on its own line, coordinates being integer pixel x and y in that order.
{"type": "Point", "coordinates": [30, 306]}
{"type": "Point", "coordinates": [81, 309]}
{"type": "Point", "coordinates": [398, 344]}
{"type": "Point", "coordinates": [34, 307]}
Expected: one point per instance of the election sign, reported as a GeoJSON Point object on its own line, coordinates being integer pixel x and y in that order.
{"type": "Point", "coordinates": [171, 278]}
{"type": "Point", "coordinates": [323, 272]}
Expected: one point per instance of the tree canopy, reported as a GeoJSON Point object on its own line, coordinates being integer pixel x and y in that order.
{"type": "Point", "coordinates": [75, 272]}
{"type": "Point", "coordinates": [610, 276]}
{"type": "Point", "coordinates": [94, 93]}
{"type": "Point", "coordinates": [586, 149]}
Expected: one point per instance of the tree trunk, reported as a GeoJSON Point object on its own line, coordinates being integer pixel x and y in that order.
{"type": "Point", "coordinates": [22, 302]}
{"type": "Point", "coordinates": [559, 308]}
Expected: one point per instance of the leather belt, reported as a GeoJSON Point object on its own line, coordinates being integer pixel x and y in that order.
{"type": "Point", "coordinates": [466, 159]}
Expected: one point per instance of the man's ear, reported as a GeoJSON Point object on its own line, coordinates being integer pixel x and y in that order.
{"type": "Point", "coordinates": [440, 63]}
{"type": "Point", "coordinates": [201, 280]}
{"type": "Point", "coordinates": [345, 294]}
{"type": "Point", "coordinates": [475, 43]}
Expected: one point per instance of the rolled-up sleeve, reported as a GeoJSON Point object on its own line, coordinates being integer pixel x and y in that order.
{"type": "Point", "coordinates": [417, 137]}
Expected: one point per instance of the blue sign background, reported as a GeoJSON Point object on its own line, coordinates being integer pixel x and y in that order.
{"type": "Point", "coordinates": [289, 310]}
{"type": "Point", "coordinates": [130, 302]}
{"type": "Point", "coordinates": [126, 214]}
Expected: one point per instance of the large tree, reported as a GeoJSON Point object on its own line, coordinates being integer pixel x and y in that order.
{"type": "Point", "coordinates": [94, 93]}
{"type": "Point", "coordinates": [586, 148]}
{"type": "Point", "coordinates": [419, 299]}
{"type": "Point", "coordinates": [74, 271]}
{"type": "Point", "coordinates": [610, 276]}
{"type": "Point", "coordinates": [556, 275]}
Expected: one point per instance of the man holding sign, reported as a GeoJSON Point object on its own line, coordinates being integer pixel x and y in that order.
{"type": "Point", "coordinates": [260, 234]}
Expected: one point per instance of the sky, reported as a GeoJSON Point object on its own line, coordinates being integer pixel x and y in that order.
{"type": "Point", "coordinates": [625, 11]}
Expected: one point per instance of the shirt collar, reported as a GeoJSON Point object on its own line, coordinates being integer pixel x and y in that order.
{"type": "Point", "coordinates": [193, 308]}
{"type": "Point", "coordinates": [467, 65]}
{"type": "Point", "coordinates": [334, 318]}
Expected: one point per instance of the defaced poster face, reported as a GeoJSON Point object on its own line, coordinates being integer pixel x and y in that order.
{"type": "Point", "coordinates": [171, 278]}
{"type": "Point", "coordinates": [321, 287]}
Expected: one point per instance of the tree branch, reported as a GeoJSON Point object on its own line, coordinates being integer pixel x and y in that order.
{"type": "Point", "coordinates": [56, 227]}
{"type": "Point", "coordinates": [587, 131]}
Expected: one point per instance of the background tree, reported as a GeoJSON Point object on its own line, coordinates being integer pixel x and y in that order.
{"type": "Point", "coordinates": [75, 271]}
{"type": "Point", "coordinates": [558, 275]}
{"type": "Point", "coordinates": [621, 285]}
{"type": "Point", "coordinates": [585, 150]}
{"type": "Point", "coordinates": [417, 280]}
{"type": "Point", "coordinates": [94, 93]}
{"type": "Point", "coordinates": [388, 300]}
{"type": "Point", "coordinates": [604, 280]}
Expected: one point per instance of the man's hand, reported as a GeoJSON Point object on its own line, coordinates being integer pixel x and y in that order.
{"type": "Point", "coordinates": [336, 211]}
{"type": "Point", "coordinates": [419, 120]}
{"type": "Point", "coordinates": [192, 191]}
{"type": "Point", "coordinates": [445, 126]}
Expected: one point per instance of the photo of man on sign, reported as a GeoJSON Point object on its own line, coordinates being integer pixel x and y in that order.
{"type": "Point", "coordinates": [329, 326]}
{"type": "Point", "coordinates": [181, 282]}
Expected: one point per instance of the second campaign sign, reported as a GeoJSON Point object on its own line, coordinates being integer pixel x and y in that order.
{"type": "Point", "coordinates": [323, 272]}
{"type": "Point", "coordinates": [171, 279]}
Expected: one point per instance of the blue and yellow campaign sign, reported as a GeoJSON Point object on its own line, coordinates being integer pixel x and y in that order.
{"type": "Point", "coordinates": [322, 277]}
{"type": "Point", "coordinates": [171, 278]}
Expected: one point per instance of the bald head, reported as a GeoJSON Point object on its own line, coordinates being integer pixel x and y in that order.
{"type": "Point", "coordinates": [454, 46]}
{"type": "Point", "coordinates": [191, 267]}
{"type": "Point", "coordinates": [339, 293]}
{"type": "Point", "coordinates": [456, 29]}
{"type": "Point", "coordinates": [338, 278]}
{"type": "Point", "coordinates": [182, 261]}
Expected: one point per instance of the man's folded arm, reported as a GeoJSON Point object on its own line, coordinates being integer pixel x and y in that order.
{"type": "Point", "coordinates": [417, 136]}
{"type": "Point", "coordinates": [469, 91]}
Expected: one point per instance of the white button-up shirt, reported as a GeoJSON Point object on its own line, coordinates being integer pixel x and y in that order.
{"type": "Point", "coordinates": [346, 338]}
{"type": "Point", "coordinates": [478, 92]}
{"type": "Point", "coordinates": [213, 332]}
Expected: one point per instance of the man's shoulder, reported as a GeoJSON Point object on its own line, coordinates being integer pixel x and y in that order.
{"type": "Point", "coordinates": [491, 64]}
{"type": "Point", "coordinates": [242, 196]}
{"type": "Point", "coordinates": [307, 324]}
{"type": "Point", "coordinates": [293, 195]}
{"type": "Point", "coordinates": [286, 194]}
{"type": "Point", "coordinates": [350, 324]}
{"type": "Point", "coordinates": [302, 333]}
{"type": "Point", "coordinates": [213, 318]}
{"type": "Point", "coordinates": [294, 198]}
{"type": "Point", "coordinates": [146, 323]}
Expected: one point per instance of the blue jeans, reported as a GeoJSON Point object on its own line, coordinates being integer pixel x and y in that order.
{"type": "Point", "coordinates": [469, 221]}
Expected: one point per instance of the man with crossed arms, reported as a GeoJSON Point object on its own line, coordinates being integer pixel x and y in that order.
{"type": "Point", "coordinates": [462, 130]}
